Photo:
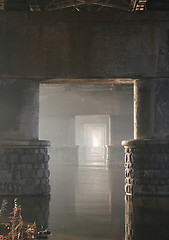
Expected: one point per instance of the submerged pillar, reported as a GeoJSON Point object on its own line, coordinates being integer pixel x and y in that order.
{"type": "Point", "coordinates": [23, 158]}
{"type": "Point", "coordinates": [147, 156]}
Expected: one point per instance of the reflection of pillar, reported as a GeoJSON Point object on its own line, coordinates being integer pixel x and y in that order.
{"type": "Point", "coordinates": [64, 149]}
{"type": "Point", "coordinates": [118, 128]}
{"type": "Point", "coordinates": [147, 156]}
{"type": "Point", "coordinates": [23, 158]}
{"type": "Point", "coordinates": [146, 218]}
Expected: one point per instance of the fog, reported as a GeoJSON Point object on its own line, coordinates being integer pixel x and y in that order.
{"type": "Point", "coordinates": [82, 120]}
{"type": "Point", "coordinates": [86, 124]}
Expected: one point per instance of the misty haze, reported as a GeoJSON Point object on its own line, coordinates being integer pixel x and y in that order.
{"type": "Point", "coordinates": [84, 123]}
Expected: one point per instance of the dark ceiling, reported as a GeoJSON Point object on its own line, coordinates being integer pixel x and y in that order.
{"type": "Point", "coordinates": [84, 5]}
{"type": "Point", "coordinates": [70, 5]}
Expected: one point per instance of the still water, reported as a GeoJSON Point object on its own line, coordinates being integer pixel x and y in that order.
{"type": "Point", "coordinates": [88, 203]}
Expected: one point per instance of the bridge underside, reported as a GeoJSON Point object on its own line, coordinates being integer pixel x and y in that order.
{"type": "Point", "coordinates": [84, 48]}
{"type": "Point", "coordinates": [54, 46]}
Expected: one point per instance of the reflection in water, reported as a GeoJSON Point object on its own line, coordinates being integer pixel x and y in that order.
{"type": "Point", "coordinates": [146, 218]}
{"type": "Point", "coordinates": [87, 203]}
{"type": "Point", "coordinates": [24, 218]}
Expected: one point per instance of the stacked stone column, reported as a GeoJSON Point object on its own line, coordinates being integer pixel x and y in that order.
{"type": "Point", "coordinates": [147, 156]}
{"type": "Point", "coordinates": [23, 158]}
{"type": "Point", "coordinates": [114, 153]}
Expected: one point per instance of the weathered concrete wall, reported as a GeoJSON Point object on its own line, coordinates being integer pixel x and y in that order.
{"type": "Point", "coordinates": [19, 106]}
{"type": "Point", "coordinates": [151, 105]}
{"type": "Point", "coordinates": [55, 101]}
{"type": "Point", "coordinates": [84, 45]}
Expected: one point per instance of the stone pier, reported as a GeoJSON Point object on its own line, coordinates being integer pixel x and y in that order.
{"type": "Point", "coordinates": [23, 158]}
{"type": "Point", "coordinates": [63, 149]}
{"type": "Point", "coordinates": [119, 126]}
{"type": "Point", "coordinates": [114, 151]}
{"type": "Point", "coordinates": [147, 156]}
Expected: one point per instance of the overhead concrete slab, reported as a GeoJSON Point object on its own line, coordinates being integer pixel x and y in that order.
{"type": "Point", "coordinates": [84, 47]}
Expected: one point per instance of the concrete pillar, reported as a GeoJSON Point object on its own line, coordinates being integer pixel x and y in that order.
{"type": "Point", "coordinates": [114, 151]}
{"type": "Point", "coordinates": [23, 158]}
{"type": "Point", "coordinates": [64, 150]}
{"type": "Point", "coordinates": [147, 156]}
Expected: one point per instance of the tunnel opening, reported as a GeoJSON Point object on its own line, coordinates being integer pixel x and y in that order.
{"type": "Point", "coordinates": [86, 122]}
{"type": "Point", "coordinates": [92, 136]}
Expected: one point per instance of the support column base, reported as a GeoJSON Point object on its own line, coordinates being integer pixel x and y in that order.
{"type": "Point", "coordinates": [147, 167]}
{"type": "Point", "coordinates": [24, 168]}
{"type": "Point", "coordinates": [114, 154]}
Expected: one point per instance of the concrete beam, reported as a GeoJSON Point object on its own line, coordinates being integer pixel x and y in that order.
{"type": "Point", "coordinates": [84, 46]}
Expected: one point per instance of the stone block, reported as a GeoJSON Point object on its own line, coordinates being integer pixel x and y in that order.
{"type": "Point", "coordinates": [28, 174]}
{"type": "Point", "coordinates": [5, 175]}
{"type": "Point", "coordinates": [46, 166]}
{"type": "Point", "coordinates": [10, 150]}
{"type": "Point", "coordinates": [40, 173]}
{"type": "Point", "coordinates": [42, 166]}
{"type": "Point", "coordinates": [30, 182]}
{"type": "Point", "coordinates": [29, 189]}
{"type": "Point", "coordinates": [3, 190]}
{"type": "Point", "coordinates": [14, 188]}
{"type": "Point", "coordinates": [3, 158]}
{"type": "Point", "coordinates": [43, 150]}
{"type": "Point", "coordinates": [44, 181]}
{"type": "Point", "coordinates": [31, 151]}
{"type": "Point", "coordinates": [4, 166]}
{"type": "Point", "coordinates": [36, 150]}
{"type": "Point", "coordinates": [40, 158]}
{"type": "Point", "coordinates": [16, 174]}
{"type": "Point", "coordinates": [13, 158]}
{"type": "Point", "coordinates": [46, 173]}
{"type": "Point", "coordinates": [48, 189]}
{"type": "Point", "coordinates": [41, 189]}
{"type": "Point", "coordinates": [46, 158]}
{"type": "Point", "coordinates": [2, 151]}
{"type": "Point", "coordinates": [27, 158]}
{"type": "Point", "coordinates": [19, 151]}
{"type": "Point", "coordinates": [35, 166]}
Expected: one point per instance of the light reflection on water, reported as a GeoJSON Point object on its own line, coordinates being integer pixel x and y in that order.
{"type": "Point", "coordinates": [88, 203]}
